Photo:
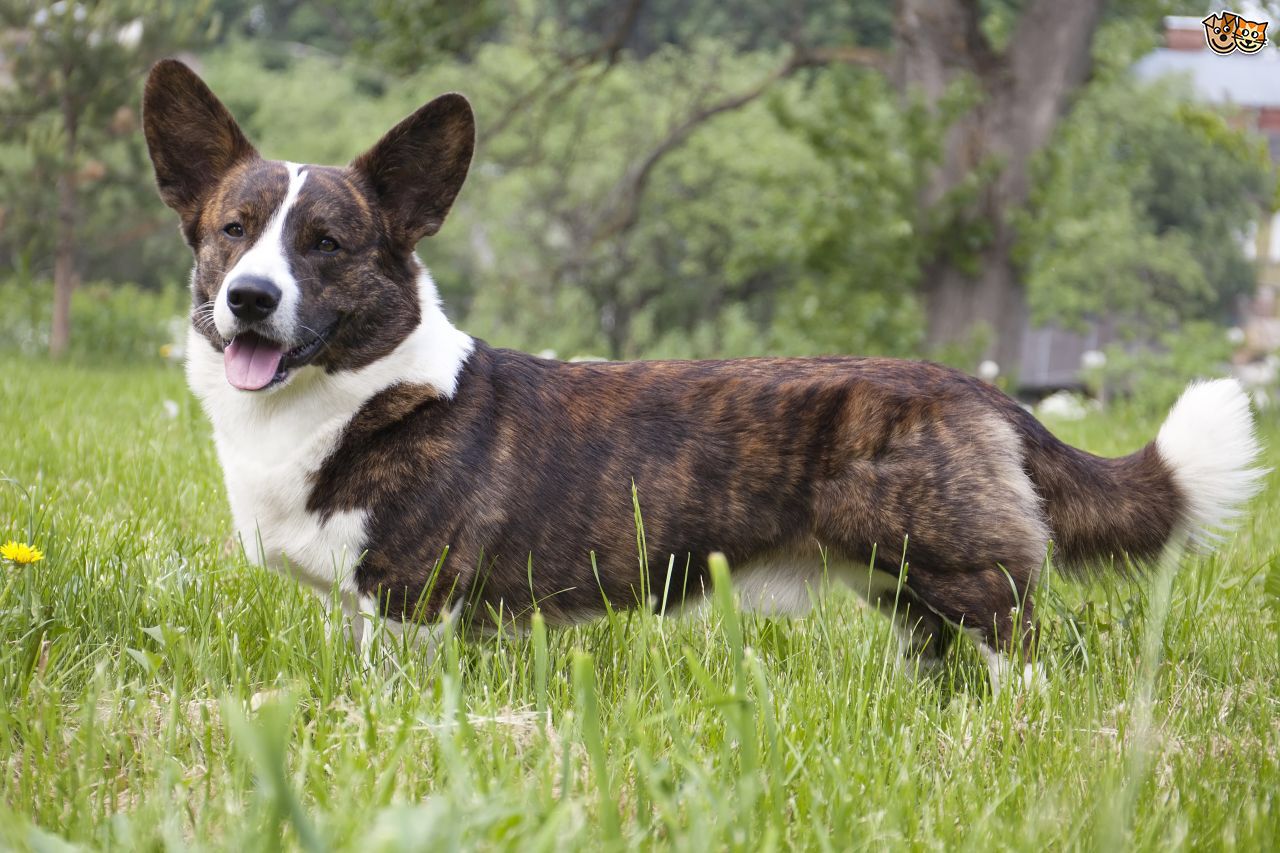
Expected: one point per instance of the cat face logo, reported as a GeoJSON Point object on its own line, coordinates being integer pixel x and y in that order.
{"type": "Point", "coordinates": [1226, 32]}
{"type": "Point", "coordinates": [1220, 32]}
{"type": "Point", "coordinates": [1250, 37]}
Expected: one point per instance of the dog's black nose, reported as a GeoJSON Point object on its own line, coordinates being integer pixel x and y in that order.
{"type": "Point", "coordinates": [252, 298]}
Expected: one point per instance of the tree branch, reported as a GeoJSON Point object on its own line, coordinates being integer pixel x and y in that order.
{"type": "Point", "coordinates": [562, 78]}
{"type": "Point", "coordinates": [628, 194]}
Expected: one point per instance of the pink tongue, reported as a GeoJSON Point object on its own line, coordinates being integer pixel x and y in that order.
{"type": "Point", "coordinates": [251, 362]}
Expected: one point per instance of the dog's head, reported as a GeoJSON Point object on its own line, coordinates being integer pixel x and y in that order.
{"type": "Point", "coordinates": [295, 264]}
{"type": "Point", "coordinates": [1220, 32]}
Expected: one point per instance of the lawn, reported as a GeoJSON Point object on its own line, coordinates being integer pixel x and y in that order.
{"type": "Point", "coordinates": [158, 691]}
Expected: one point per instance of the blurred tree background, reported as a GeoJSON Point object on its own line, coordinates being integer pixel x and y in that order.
{"type": "Point", "coordinates": [684, 178]}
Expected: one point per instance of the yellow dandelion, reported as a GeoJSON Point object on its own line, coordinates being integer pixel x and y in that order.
{"type": "Point", "coordinates": [20, 553]}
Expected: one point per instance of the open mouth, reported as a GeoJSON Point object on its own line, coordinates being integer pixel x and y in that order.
{"type": "Point", "coordinates": [254, 362]}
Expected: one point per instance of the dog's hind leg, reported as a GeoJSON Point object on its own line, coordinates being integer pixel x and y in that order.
{"type": "Point", "coordinates": [980, 559]}
{"type": "Point", "coordinates": [995, 608]}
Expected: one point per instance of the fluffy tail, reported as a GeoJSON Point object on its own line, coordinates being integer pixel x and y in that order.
{"type": "Point", "coordinates": [1190, 483]}
{"type": "Point", "coordinates": [1209, 442]}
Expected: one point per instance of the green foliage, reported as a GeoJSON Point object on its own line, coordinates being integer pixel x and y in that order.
{"type": "Point", "coordinates": [73, 109]}
{"type": "Point", "coordinates": [792, 225]}
{"type": "Point", "coordinates": [1272, 585]}
{"type": "Point", "coordinates": [1149, 378]}
{"type": "Point", "coordinates": [1130, 29]}
{"type": "Point", "coordinates": [114, 323]}
{"type": "Point", "coordinates": [866, 234]}
{"type": "Point", "coordinates": [413, 34]}
{"type": "Point", "coordinates": [1139, 209]}
{"type": "Point", "coordinates": [332, 27]}
{"type": "Point", "coordinates": [305, 106]}
{"type": "Point", "coordinates": [723, 232]}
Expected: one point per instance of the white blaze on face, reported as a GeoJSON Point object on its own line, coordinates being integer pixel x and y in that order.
{"type": "Point", "coordinates": [268, 258]}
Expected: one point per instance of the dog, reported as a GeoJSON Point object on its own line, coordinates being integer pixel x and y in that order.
{"type": "Point", "coordinates": [371, 447]}
{"type": "Point", "coordinates": [1220, 32]}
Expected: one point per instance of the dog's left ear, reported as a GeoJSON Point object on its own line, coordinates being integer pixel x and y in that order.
{"type": "Point", "coordinates": [417, 169]}
{"type": "Point", "coordinates": [192, 138]}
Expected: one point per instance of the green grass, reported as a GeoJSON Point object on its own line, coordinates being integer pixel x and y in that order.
{"type": "Point", "coordinates": [159, 692]}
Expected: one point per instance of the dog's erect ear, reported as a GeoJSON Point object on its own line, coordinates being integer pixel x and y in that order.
{"type": "Point", "coordinates": [192, 138]}
{"type": "Point", "coordinates": [416, 170]}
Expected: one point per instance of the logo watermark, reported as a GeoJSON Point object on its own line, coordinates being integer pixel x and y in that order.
{"type": "Point", "coordinates": [1227, 32]}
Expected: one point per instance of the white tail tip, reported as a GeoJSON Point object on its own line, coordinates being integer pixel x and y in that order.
{"type": "Point", "coordinates": [1208, 441]}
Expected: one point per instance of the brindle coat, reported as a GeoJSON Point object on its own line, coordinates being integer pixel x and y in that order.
{"type": "Point", "coordinates": [758, 458]}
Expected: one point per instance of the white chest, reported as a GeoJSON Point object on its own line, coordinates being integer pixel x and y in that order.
{"type": "Point", "coordinates": [268, 486]}
{"type": "Point", "coordinates": [270, 444]}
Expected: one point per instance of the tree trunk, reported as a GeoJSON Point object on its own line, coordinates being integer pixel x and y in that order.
{"type": "Point", "coordinates": [64, 259]}
{"type": "Point", "coordinates": [990, 308]}
{"type": "Point", "coordinates": [1023, 91]}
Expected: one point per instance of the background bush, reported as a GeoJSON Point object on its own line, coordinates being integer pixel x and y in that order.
{"type": "Point", "coordinates": [114, 322]}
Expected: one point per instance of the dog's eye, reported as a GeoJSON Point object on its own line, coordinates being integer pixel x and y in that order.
{"type": "Point", "coordinates": [233, 229]}
{"type": "Point", "coordinates": [328, 245]}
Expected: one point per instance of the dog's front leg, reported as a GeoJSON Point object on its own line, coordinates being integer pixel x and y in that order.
{"type": "Point", "coordinates": [381, 638]}
{"type": "Point", "coordinates": [346, 616]}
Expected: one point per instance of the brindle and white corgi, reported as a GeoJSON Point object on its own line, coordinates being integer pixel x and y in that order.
{"type": "Point", "coordinates": [369, 445]}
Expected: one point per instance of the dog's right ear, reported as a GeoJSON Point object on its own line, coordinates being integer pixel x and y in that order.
{"type": "Point", "coordinates": [192, 139]}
